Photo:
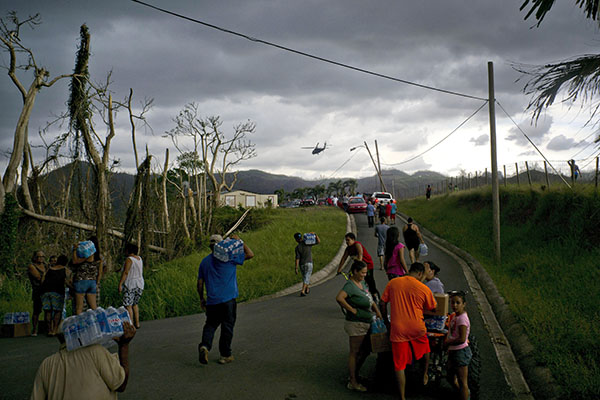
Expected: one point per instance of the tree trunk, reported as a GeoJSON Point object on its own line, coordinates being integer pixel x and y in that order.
{"type": "Point", "coordinates": [164, 194]}
{"type": "Point", "coordinates": [20, 136]}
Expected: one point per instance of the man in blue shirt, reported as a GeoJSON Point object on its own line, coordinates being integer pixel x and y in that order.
{"type": "Point", "coordinates": [370, 213]}
{"type": "Point", "coordinates": [220, 304]}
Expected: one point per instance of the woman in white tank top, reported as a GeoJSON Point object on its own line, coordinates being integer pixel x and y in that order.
{"type": "Point", "coordinates": [131, 284]}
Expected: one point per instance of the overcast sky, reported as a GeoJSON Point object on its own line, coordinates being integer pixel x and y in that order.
{"type": "Point", "coordinates": [297, 101]}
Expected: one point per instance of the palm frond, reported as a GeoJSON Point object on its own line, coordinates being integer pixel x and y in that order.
{"type": "Point", "coordinates": [541, 8]}
{"type": "Point", "coordinates": [580, 77]}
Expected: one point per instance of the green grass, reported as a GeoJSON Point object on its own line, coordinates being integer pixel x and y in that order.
{"type": "Point", "coordinates": [549, 273]}
{"type": "Point", "coordinates": [170, 288]}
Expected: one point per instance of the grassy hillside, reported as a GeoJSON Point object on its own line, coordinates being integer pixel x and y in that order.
{"type": "Point", "coordinates": [549, 273]}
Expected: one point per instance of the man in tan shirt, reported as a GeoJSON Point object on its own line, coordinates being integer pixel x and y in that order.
{"type": "Point", "coordinates": [90, 372]}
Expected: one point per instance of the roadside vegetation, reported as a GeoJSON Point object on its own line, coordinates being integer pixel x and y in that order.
{"type": "Point", "coordinates": [170, 288]}
{"type": "Point", "coordinates": [549, 273]}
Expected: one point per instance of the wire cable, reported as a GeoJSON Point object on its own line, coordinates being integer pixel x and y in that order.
{"type": "Point", "coordinates": [326, 60]}
{"type": "Point", "coordinates": [533, 144]}
{"type": "Point", "coordinates": [446, 137]}
{"type": "Point", "coordinates": [341, 166]}
{"type": "Point", "coordinates": [588, 145]}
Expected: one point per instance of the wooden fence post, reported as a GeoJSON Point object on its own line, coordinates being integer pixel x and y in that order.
{"type": "Point", "coordinates": [486, 176]}
{"type": "Point", "coordinates": [504, 166]}
{"type": "Point", "coordinates": [476, 180]}
{"type": "Point", "coordinates": [517, 168]}
{"type": "Point", "coordinates": [528, 174]}
{"type": "Point", "coordinates": [469, 179]}
{"type": "Point", "coordinates": [546, 173]}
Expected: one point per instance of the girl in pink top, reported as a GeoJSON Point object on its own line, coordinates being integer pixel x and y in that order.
{"type": "Point", "coordinates": [394, 262]}
{"type": "Point", "coordinates": [459, 352]}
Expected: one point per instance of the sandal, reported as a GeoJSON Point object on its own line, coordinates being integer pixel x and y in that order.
{"type": "Point", "coordinates": [357, 388]}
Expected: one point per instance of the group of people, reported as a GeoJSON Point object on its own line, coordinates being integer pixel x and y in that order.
{"type": "Point", "coordinates": [386, 211]}
{"type": "Point", "coordinates": [55, 281]}
{"type": "Point", "coordinates": [408, 293]}
{"type": "Point", "coordinates": [90, 371]}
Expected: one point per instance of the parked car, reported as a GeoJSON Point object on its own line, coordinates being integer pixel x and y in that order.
{"type": "Point", "coordinates": [322, 202]}
{"type": "Point", "coordinates": [382, 198]}
{"type": "Point", "coordinates": [357, 204]}
{"type": "Point", "coordinates": [307, 202]}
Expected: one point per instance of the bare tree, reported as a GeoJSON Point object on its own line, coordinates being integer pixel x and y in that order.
{"type": "Point", "coordinates": [217, 153]}
{"type": "Point", "coordinates": [21, 58]}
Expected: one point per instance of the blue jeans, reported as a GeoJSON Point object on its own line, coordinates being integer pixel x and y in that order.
{"type": "Point", "coordinates": [223, 314]}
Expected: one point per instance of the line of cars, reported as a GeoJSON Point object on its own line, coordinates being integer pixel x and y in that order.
{"type": "Point", "coordinates": [358, 204]}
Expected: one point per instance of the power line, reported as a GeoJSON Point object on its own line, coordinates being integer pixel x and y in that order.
{"type": "Point", "coordinates": [446, 137]}
{"type": "Point", "coordinates": [341, 166]}
{"type": "Point", "coordinates": [533, 144]}
{"type": "Point", "coordinates": [588, 145]}
{"type": "Point", "coordinates": [339, 64]}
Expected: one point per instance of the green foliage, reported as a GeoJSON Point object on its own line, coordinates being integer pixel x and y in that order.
{"type": "Point", "coordinates": [9, 222]}
{"type": "Point", "coordinates": [549, 270]}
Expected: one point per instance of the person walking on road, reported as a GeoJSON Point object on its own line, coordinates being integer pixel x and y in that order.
{"type": "Point", "coordinates": [370, 213]}
{"type": "Point", "coordinates": [393, 215]}
{"type": "Point", "coordinates": [412, 238]}
{"type": "Point", "coordinates": [359, 308]}
{"type": "Point", "coordinates": [220, 304]}
{"type": "Point", "coordinates": [394, 263]}
{"type": "Point", "coordinates": [380, 234]}
{"type": "Point", "coordinates": [408, 297]}
{"type": "Point", "coordinates": [357, 251]}
{"type": "Point", "coordinates": [304, 260]}
{"type": "Point", "coordinates": [132, 283]}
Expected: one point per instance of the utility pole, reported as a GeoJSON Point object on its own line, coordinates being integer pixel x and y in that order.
{"type": "Point", "coordinates": [376, 169]}
{"type": "Point", "coordinates": [495, 189]}
{"type": "Point", "coordinates": [379, 165]}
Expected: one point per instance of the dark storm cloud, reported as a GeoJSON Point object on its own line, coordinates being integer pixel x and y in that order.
{"type": "Point", "coordinates": [294, 100]}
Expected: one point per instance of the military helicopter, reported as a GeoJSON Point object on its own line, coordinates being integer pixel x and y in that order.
{"type": "Point", "coordinates": [316, 149]}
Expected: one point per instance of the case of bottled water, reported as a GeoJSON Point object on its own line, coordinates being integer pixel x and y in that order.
{"type": "Point", "coordinates": [94, 326]}
{"type": "Point", "coordinates": [230, 250]}
{"type": "Point", "coordinates": [310, 238]}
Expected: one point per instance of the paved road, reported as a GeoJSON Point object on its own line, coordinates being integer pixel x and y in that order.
{"type": "Point", "coordinates": [286, 348]}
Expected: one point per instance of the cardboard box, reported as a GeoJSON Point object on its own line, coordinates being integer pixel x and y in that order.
{"type": "Point", "coordinates": [16, 330]}
{"type": "Point", "coordinates": [442, 305]}
{"type": "Point", "coordinates": [380, 342]}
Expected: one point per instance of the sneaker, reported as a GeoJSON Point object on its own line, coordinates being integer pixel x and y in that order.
{"type": "Point", "coordinates": [202, 354]}
{"type": "Point", "coordinates": [226, 360]}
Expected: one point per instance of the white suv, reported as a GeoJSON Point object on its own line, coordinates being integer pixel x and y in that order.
{"type": "Point", "coordinates": [382, 198]}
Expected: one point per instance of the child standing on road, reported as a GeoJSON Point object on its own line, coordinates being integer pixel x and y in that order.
{"type": "Point", "coordinates": [459, 352]}
{"type": "Point", "coordinates": [304, 260]}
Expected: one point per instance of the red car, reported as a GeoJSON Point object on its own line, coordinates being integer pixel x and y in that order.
{"type": "Point", "coordinates": [357, 205]}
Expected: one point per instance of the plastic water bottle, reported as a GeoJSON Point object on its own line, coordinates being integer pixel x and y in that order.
{"type": "Point", "coordinates": [105, 331]}
{"type": "Point", "coordinates": [70, 331]}
{"type": "Point", "coordinates": [381, 326]}
{"type": "Point", "coordinates": [81, 333]}
{"type": "Point", "coordinates": [374, 326]}
{"type": "Point", "coordinates": [116, 326]}
{"type": "Point", "coordinates": [93, 326]}
{"type": "Point", "coordinates": [124, 315]}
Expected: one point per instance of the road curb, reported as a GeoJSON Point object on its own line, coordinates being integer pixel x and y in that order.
{"type": "Point", "coordinates": [319, 277]}
{"type": "Point", "coordinates": [515, 351]}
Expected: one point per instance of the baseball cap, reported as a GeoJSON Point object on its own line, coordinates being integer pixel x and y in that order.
{"type": "Point", "coordinates": [215, 238]}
